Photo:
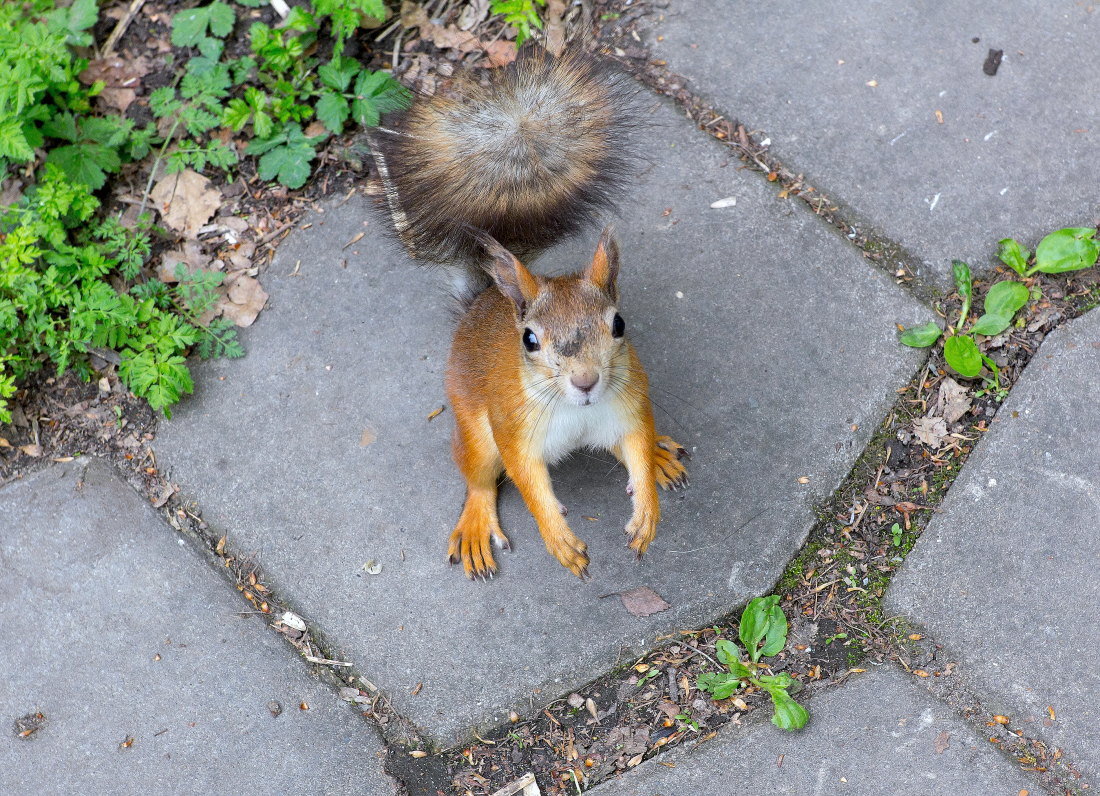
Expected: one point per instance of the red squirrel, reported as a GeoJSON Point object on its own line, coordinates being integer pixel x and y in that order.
{"type": "Point", "coordinates": [479, 180]}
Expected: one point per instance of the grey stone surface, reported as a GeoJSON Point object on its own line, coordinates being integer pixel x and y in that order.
{"type": "Point", "coordinates": [1014, 152]}
{"type": "Point", "coordinates": [782, 342]}
{"type": "Point", "coordinates": [113, 630]}
{"type": "Point", "coordinates": [1006, 574]}
{"type": "Point", "coordinates": [875, 735]}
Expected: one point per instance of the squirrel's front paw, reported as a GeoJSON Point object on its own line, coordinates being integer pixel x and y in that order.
{"type": "Point", "coordinates": [471, 543]}
{"type": "Point", "coordinates": [671, 474]}
{"type": "Point", "coordinates": [641, 529]}
{"type": "Point", "coordinates": [570, 551]}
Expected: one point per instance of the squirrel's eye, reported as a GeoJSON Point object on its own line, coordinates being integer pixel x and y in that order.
{"type": "Point", "coordinates": [530, 341]}
{"type": "Point", "coordinates": [618, 326]}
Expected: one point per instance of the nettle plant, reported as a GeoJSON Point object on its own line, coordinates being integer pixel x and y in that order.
{"type": "Point", "coordinates": [763, 632]}
{"type": "Point", "coordinates": [1071, 249]}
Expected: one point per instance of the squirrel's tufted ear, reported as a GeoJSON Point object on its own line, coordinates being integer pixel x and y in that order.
{"type": "Point", "coordinates": [509, 275]}
{"type": "Point", "coordinates": [604, 269]}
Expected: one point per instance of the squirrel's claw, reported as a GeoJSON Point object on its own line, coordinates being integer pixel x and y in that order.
{"type": "Point", "coordinates": [671, 474]}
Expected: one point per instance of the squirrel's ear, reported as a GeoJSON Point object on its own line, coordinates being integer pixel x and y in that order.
{"type": "Point", "coordinates": [604, 269]}
{"type": "Point", "coordinates": [510, 275]}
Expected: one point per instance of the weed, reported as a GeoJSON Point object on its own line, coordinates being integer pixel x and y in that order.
{"type": "Point", "coordinates": [763, 632]}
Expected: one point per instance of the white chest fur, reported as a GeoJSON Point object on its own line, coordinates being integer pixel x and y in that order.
{"type": "Point", "coordinates": [571, 427]}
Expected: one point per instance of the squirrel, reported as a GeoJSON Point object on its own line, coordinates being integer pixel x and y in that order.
{"type": "Point", "coordinates": [479, 180]}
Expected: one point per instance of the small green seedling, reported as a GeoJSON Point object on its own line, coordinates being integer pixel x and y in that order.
{"type": "Point", "coordinates": [1070, 249]}
{"type": "Point", "coordinates": [763, 632]}
{"type": "Point", "coordinates": [960, 349]}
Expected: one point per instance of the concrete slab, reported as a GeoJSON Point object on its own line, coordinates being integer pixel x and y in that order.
{"type": "Point", "coordinates": [113, 630]}
{"type": "Point", "coordinates": [1005, 575]}
{"type": "Point", "coordinates": [876, 735]}
{"type": "Point", "coordinates": [769, 342]}
{"type": "Point", "coordinates": [1009, 158]}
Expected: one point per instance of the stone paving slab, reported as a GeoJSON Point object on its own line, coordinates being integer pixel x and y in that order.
{"type": "Point", "coordinates": [112, 631]}
{"type": "Point", "coordinates": [875, 735]}
{"type": "Point", "coordinates": [1014, 152]}
{"type": "Point", "coordinates": [782, 343]}
{"type": "Point", "coordinates": [1006, 574]}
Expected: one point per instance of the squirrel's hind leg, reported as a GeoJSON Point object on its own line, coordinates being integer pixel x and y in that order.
{"type": "Point", "coordinates": [471, 541]}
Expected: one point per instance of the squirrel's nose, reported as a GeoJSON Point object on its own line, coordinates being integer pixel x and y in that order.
{"type": "Point", "coordinates": [584, 381]}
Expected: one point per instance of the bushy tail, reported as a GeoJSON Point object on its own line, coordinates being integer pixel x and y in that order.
{"type": "Point", "coordinates": [533, 156]}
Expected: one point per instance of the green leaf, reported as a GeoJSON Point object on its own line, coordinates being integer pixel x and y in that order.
{"type": "Point", "coordinates": [775, 635]}
{"type": "Point", "coordinates": [1006, 298]}
{"type": "Point", "coordinates": [718, 684]}
{"type": "Point", "coordinates": [1013, 255]}
{"type": "Point", "coordinates": [727, 652]}
{"type": "Point", "coordinates": [221, 19]}
{"type": "Point", "coordinates": [1066, 250]}
{"type": "Point", "coordinates": [337, 74]}
{"type": "Point", "coordinates": [13, 141]}
{"type": "Point", "coordinates": [86, 163]}
{"type": "Point", "coordinates": [83, 14]}
{"type": "Point", "coordinates": [961, 353]}
{"type": "Point", "coordinates": [755, 621]}
{"type": "Point", "coordinates": [189, 27]}
{"type": "Point", "coordinates": [332, 111]}
{"type": "Point", "coordinates": [991, 323]}
{"type": "Point", "coordinates": [921, 336]}
{"type": "Point", "coordinates": [963, 282]}
{"type": "Point", "coordinates": [789, 715]}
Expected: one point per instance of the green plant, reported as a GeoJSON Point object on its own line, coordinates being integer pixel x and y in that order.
{"type": "Point", "coordinates": [896, 534]}
{"type": "Point", "coordinates": [59, 267]}
{"type": "Point", "coordinates": [763, 632]}
{"type": "Point", "coordinates": [960, 349]}
{"type": "Point", "coordinates": [1070, 249]}
{"type": "Point", "coordinates": [523, 15]}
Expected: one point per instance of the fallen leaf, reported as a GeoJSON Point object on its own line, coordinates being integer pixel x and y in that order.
{"type": "Point", "coordinates": [33, 450]}
{"type": "Point", "coordinates": [930, 430]}
{"type": "Point", "coordinates": [417, 753]}
{"type": "Point", "coordinates": [186, 201]}
{"type": "Point", "coordinates": [191, 255]}
{"type": "Point", "coordinates": [1050, 710]}
{"type": "Point", "coordinates": [921, 673]}
{"type": "Point", "coordinates": [942, 742]}
{"type": "Point", "coordinates": [1001, 719]}
{"type": "Point", "coordinates": [4, 443]}
{"type": "Point", "coordinates": [643, 601]}
{"type": "Point", "coordinates": [952, 401]}
{"type": "Point", "coordinates": [435, 413]}
{"type": "Point", "coordinates": [367, 437]}
{"type": "Point", "coordinates": [372, 567]}
{"type": "Point", "coordinates": [121, 78]}
{"type": "Point", "coordinates": [244, 300]}
{"type": "Point", "coordinates": [500, 53]}
{"type": "Point", "coordinates": [416, 689]}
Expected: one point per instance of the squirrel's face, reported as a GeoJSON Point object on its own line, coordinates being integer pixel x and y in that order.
{"type": "Point", "coordinates": [573, 338]}
{"type": "Point", "coordinates": [569, 327]}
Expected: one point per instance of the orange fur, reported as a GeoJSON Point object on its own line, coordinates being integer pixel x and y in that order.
{"type": "Point", "coordinates": [504, 410]}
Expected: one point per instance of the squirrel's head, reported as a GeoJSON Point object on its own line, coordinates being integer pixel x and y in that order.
{"type": "Point", "coordinates": [568, 327]}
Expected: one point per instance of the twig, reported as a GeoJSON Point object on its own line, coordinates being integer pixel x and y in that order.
{"type": "Point", "coordinates": [692, 646]}
{"type": "Point", "coordinates": [116, 34]}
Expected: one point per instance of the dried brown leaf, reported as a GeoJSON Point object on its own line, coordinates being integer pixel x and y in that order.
{"type": "Point", "coordinates": [186, 201]}
{"type": "Point", "coordinates": [244, 301]}
{"type": "Point", "coordinates": [931, 431]}
{"type": "Point", "coordinates": [643, 601]}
